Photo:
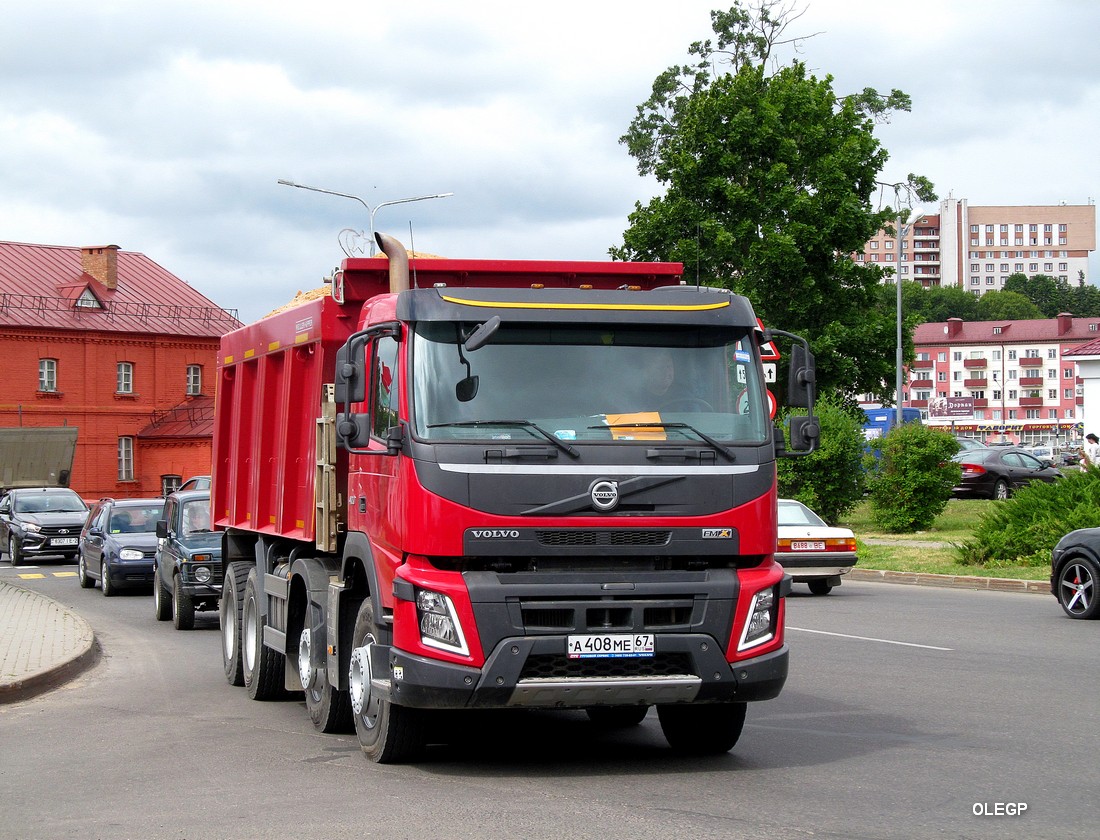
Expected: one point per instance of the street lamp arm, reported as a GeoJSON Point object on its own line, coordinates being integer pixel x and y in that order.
{"type": "Point", "coordinates": [286, 183]}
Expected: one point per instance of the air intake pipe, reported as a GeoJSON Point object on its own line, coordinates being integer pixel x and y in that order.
{"type": "Point", "coordinates": [399, 261]}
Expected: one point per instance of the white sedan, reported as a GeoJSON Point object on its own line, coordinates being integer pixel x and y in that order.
{"type": "Point", "coordinates": [811, 551]}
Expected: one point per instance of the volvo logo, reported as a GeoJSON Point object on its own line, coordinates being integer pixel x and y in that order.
{"type": "Point", "coordinates": [605, 494]}
{"type": "Point", "coordinates": [495, 535]}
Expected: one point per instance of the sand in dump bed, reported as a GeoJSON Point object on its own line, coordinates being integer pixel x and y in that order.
{"type": "Point", "coordinates": [313, 294]}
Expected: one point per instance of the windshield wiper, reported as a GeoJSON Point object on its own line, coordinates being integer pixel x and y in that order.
{"type": "Point", "coordinates": [558, 442]}
{"type": "Point", "coordinates": [702, 435]}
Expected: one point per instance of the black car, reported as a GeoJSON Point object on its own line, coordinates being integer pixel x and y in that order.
{"type": "Point", "coordinates": [1075, 573]}
{"type": "Point", "coordinates": [187, 566]}
{"type": "Point", "coordinates": [994, 472]}
{"type": "Point", "coordinates": [118, 543]}
{"type": "Point", "coordinates": [41, 521]}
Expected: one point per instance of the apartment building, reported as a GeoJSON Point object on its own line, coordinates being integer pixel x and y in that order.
{"type": "Point", "coordinates": [979, 247]}
{"type": "Point", "coordinates": [1016, 379]}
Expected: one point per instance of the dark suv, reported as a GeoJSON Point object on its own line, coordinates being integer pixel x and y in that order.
{"type": "Point", "coordinates": [118, 543]}
{"type": "Point", "coordinates": [41, 521]}
{"type": "Point", "coordinates": [187, 569]}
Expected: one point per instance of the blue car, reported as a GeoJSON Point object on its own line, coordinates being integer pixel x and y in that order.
{"type": "Point", "coordinates": [187, 566]}
{"type": "Point", "coordinates": [117, 544]}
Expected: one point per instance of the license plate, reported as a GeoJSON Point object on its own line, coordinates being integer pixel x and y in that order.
{"type": "Point", "coordinates": [609, 645]}
{"type": "Point", "coordinates": [807, 545]}
{"type": "Point", "coordinates": [63, 541]}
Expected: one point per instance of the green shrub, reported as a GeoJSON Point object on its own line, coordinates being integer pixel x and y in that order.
{"type": "Point", "coordinates": [1023, 530]}
{"type": "Point", "coordinates": [911, 481]}
{"type": "Point", "coordinates": [829, 481]}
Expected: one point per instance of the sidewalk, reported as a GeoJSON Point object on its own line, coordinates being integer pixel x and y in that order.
{"type": "Point", "coordinates": [42, 643]}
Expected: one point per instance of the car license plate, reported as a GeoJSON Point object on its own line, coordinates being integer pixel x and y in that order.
{"type": "Point", "coordinates": [63, 541]}
{"type": "Point", "coordinates": [609, 645]}
{"type": "Point", "coordinates": [807, 545]}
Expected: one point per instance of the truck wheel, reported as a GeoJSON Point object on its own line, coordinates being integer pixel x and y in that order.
{"type": "Point", "coordinates": [105, 580]}
{"type": "Point", "coordinates": [82, 573]}
{"type": "Point", "coordinates": [819, 587]}
{"type": "Point", "coordinates": [388, 734]}
{"type": "Point", "coordinates": [183, 608]}
{"type": "Point", "coordinates": [162, 599]}
{"type": "Point", "coordinates": [262, 667]}
{"type": "Point", "coordinates": [702, 729]}
{"type": "Point", "coordinates": [616, 717]}
{"type": "Point", "coordinates": [328, 707]}
{"type": "Point", "coordinates": [229, 616]}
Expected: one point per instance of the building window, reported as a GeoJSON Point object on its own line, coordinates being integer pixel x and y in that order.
{"type": "Point", "coordinates": [1012, 414]}
{"type": "Point", "coordinates": [1031, 353]}
{"type": "Point", "coordinates": [1012, 355]}
{"type": "Point", "coordinates": [1063, 266]}
{"type": "Point", "coordinates": [1011, 394]}
{"type": "Point", "coordinates": [957, 356]}
{"type": "Point", "coordinates": [47, 375]}
{"type": "Point", "coordinates": [874, 246]}
{"type": "Point", "coordinates": [1032, 414]}
{"type": "Point", "coordinates": [125, 459]}
{"type": "Point", "coordinates": [957, 376]}
{"type": "Point", "coordinates": [88, 301]}
{"type": "Point", "coordinates": [1004, 267]}
{"type": "Point", "coordinates": [1052, 352]}
{"type": "Point", "coordinates": [1052, 393]}
{"type": "Point", "coordinates": [973, 228]}
{"type": "Point", "coordinates": [1069, 413]}
{"type": "Point", "coordinates": [170, 484]}
{"type": "Point", "coordinates": [942, 376]}
{"type": "Point", "coordinates": [941, 356]}
{"type": "Point", "coordinates": [996, 395]}
{"type": "Point", "coordinates": [997, 353]}
{"type": "Point", "coordinates": [194, 380]}
{"type": "Point", "coordinates": [1067, 373]}
{"type": "Point", "coordinates": [1018, 267]}
{"type": "Point", "coordinates": [125, 378]}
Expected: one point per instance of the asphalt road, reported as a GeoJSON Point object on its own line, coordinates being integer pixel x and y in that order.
{"type": "Point", "coordinates": [907, 709]}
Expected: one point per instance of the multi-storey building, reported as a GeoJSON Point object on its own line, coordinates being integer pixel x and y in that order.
{"type": "Point", "coordinates": [112, 343]}
{"type": "Point", "coordinates": [978, 248]}
{"type": "Point", "coordinates": [1002, 378]}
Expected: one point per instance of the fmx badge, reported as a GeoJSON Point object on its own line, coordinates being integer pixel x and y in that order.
{"type": "Point", "coordinates": [718, 533]}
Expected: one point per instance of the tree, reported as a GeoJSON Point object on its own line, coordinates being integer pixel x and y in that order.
{"type": "Point", "coordinates": [1006, 306]}
{"type": "Point", "coordinates": [912, 479]}
{"type": "Point", "coordinates": [1051, 296]}
{"type": "Point", "coordinates": [769, 177]}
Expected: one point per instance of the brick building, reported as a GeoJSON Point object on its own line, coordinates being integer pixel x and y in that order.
{"type": "Point", "coordinates": [112, 343]}
{"type": "Point", "coordinates": [978, 247]}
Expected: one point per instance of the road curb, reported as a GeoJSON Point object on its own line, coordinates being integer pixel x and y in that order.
{"type": "Point", "coordinates": [18, 686]}
{"type": "Point", "coordinates": [1035, 587]}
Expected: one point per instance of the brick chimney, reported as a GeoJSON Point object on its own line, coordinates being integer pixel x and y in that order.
{"type": "Point", "coordinates": [102, 264]}
{"type": "Point", "coordinates": [954, 327]}
{"type": "Point", "coordinates": [1065, 323]}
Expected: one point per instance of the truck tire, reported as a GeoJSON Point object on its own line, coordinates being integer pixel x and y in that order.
{"type": "Point", "coordinates": [262, 667]}
{"type": "Point", "coordinates": [616, 717]}
{"type": "Point", "coordinates": [388, 734]}
{"type": "Point", "coordinates": [162, 599]}
{"type": "Point", "coordinates": [328, 707]}
{"type": "Point", "coordinates": [183, 608]}
{"type": "Point", "coordinates": [703, 729]}
{"type": "Point", "coordinates": [229, 616]}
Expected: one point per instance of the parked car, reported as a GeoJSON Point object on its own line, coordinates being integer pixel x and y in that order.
{"type": "Point", "coordinates": [41, 521]}
{"type": "Point", "coordinates": [1075, 573]}
{"type": "Point", "coordinates": [196, 482]}
{"type": "Point", "coordinates": [187, 566]}
{"type": "Point", "coordinates": [996, 472]}
{"type": "Point", "coordinates": [118, 543]}
{"type": "Point", "coordinates": [966, 443]}
{"type": "Point", "coordinates": [811, 551]}
{"type": "Point", "coordinates": [1045, 454]}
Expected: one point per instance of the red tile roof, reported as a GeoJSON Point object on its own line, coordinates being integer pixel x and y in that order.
{"type": "Point", "coordinates": [1089, 348]}
{"type": "Point", "coordinates": [39, 285]}
{"type": "Point", "coordinates": [1011, 332]}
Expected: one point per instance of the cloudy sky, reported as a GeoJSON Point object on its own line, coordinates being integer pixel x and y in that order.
{"type": "Point", "coordinates": [163, 127]}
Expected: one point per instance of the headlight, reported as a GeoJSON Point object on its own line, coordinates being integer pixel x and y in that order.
{"type": "Point", "coordinates": [31, 528]}
{"type": "Point", "coordinates": [760, 627]}
{"type": "Point", "coordinates": [439, 626]}
{"type": "Point", "coordinates": [130, 554]}
{"type": "Point", "coordinates": [202, 574]}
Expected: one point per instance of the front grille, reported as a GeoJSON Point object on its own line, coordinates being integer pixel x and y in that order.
{"type": "Point", "coordinates": [603, 537]}
{"type": "Point", "coordinates": [48, 531]}
{"type": "Point", "coordinates": [550, 666]}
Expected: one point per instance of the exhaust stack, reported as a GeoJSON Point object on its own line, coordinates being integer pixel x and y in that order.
{"type": "Point", "coordinates": [399, 261]}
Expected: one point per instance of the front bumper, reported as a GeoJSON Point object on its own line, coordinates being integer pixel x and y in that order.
{"type": "Point", "coordinates": [536, 673]}
{"type": "Point", "coordinates": [45, 545]}
{"type": "Point", "coordinates": [131, 572]}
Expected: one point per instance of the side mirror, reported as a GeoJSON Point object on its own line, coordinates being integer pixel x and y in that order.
{"type": "Point", "coordinates": [805, 433]}
{"type": "Point", "coordinates": [350, 379]}
{"type": "Point", "coordinates": [801, 377]}
{"type": "Point", "coordinates": [352, 430]}
{"type": "Point", "coordinates": [162, 529]}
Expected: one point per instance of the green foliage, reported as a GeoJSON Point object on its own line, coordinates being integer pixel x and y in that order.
{"type": "Point", "coordinates": [911, 482]}
{"type": "Point", "coordinates": [1006, 306]}
{"type": "Point", "coordinates": [1053, 296]}
{"type": "Point", "coordinates": [830, 479]}
{"type": "Point", "coordinates": [1023, 530]}
{"type": "Point", "coordinates": [769, 179]}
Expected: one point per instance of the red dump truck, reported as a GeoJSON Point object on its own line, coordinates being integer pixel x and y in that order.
{"type": "Point", "coordinates": [499, 484]}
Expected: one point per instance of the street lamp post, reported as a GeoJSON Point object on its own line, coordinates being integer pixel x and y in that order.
{"type": "Point", "coordinates": [370, 210]}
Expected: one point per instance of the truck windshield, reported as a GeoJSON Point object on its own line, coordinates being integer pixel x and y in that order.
{"type": "Point", "coordinates": [581, 383]}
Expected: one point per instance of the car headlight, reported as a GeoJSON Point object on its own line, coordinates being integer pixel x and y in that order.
{"type": "Point", "coordinates": [202, 574]}
{"type": "Point", "coordinates": [439, 625]}
{"type": "Point", "coordinates": [31, 527]}
{"type": "Point", "coordinates": [763, 613]}
{"type": "Point", "coordinates": [130, 554]}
